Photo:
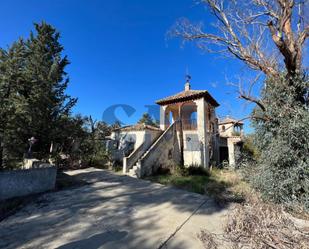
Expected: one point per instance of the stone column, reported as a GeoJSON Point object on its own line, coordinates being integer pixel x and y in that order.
{"type": "Point", "coordinates": [230, 145]}
{"type": "Point", "coordinates": [124, 165]}
{"type": "Point", "coordinates": [162, 117]}
{"type": "Point", "coordinates": [181, 135]}
{"type": "Point", "coordinates": [202, 131]}
{"type": "Point", "coordinates": [216, 137]}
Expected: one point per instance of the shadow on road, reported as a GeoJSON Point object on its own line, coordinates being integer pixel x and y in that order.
{"type": "Point", "coordinates": [96, 240]}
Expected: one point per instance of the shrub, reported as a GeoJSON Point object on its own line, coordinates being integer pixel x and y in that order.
{"type": "Point", "coordinates": [197, 170]}
{"type": "Point", "coordinates": [283, 139]}
{"type": "Point", "coordinates": [191, 170]}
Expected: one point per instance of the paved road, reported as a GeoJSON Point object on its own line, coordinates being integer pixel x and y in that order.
{"type": "Point", "coordinates": [112, 212]}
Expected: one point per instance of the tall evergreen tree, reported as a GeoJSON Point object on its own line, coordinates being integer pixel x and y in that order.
{"type": "Point", "coordinates": [13, 104]}
{"type": "Point", "coordinates": [33, 102]}
{"type": "Point", "coordinates": [47, 101]}
{"type": "Point", "coordinates": [146, 119]}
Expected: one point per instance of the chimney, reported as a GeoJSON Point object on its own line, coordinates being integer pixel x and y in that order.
{"type": "Point", "coordinates": [187, 86]}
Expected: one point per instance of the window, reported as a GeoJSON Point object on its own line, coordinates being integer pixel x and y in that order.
{"type": "Point", "coordinates": [223, 127]}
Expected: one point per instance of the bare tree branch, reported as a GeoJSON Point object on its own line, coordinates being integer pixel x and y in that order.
{"type": "Point", "coordinates": [303, 36]}
{"type": "Point", "coordinates": [244, 30]}
{"type": "Point", "coordinates": [253, 100]}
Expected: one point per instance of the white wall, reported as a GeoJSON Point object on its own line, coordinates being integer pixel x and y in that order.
{"type": "Point", "coordinates": [138, 137]}
{"type": "Point", "coordinates": [134, 136]}
{"type": "Point", "coordinates": [192, 148]}
{"type": "Point", "coordinates": [227, 131]}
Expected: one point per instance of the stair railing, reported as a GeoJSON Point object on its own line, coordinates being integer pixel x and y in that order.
{"type": "Point", "coordinates": [130, 160]}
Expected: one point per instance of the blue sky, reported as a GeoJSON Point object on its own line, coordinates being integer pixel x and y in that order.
{"type": "Point", "coordinates": [120, 55]}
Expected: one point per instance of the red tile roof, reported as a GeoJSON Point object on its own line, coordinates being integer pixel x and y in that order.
{"type": "Point", "coordinates": [188, 95]}
{"type": "Point", "coordinates": [138, 127]}
{"type": "Point", "coordinates": [229, 120]}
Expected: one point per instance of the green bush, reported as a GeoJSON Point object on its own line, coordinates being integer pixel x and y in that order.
{"type": "Point", "coordinates": [282, 173]}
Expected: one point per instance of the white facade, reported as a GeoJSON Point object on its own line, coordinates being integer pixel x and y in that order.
{"type": "Point", "coordinates": [188, 135]}
{"type": "Point", "coordinates": [231, 131]}
{"type": "Point", "coordinates": [192, 148]}
{"type": "Point", "coordinates": [138, 137]}
{"type": "Point", "coordinates": [195, 113]}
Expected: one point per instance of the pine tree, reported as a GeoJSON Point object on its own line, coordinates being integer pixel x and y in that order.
{"type": "Point", "coordinates": [13, 105]}
{"type": "Point", "coordinates": [146, 119]}
{"type": "Point", "coordinates": [33, 102]}
{"type": "Point", "coordinates": [47, 101]}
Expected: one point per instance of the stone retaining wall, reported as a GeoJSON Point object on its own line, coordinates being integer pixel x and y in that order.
{"type": "Point", "coordinates": [27, 181]}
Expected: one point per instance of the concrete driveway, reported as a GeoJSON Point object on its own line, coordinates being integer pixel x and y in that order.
{"type": "Point", "coordinates": [113, 212]}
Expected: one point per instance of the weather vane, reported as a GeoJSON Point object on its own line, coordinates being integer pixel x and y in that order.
{"type": "Point", "coordinates": [188, 76]}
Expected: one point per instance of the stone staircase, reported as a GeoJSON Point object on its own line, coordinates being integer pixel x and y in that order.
{"type": "Point", "coordinates": [136, 170]}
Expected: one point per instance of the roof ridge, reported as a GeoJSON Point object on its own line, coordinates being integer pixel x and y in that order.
{"type": "Point", "coordinates": [188, 95]}
{"type": "Point", "coordinates": [138, 126]}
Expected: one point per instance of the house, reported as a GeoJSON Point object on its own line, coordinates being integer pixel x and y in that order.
{"type": "Point", "coordinates": [131, 138]}
{"type": "Point", "coordinates": [231, 137]}
{"type": "Point", "coordinates": [189, 134]}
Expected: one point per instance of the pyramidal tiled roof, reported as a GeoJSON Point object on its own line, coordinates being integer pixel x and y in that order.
{"type": "Point", "coordinates": [188, 95]}
{"type": "Point", "coordinates": [229, 120]}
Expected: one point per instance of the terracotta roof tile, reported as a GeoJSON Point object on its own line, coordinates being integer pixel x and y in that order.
{"type": "Point", "coordinates": [138, 127]}
{"type": "Point", "coordinates": [229, 120]}
{"type": "Point", "coordinates": [188, 95]}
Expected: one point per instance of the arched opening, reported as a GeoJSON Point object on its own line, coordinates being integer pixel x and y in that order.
{"type": "Point", "coordinates": [237, 130]}
{"type": "Point", "coordinates": [193, 120]}
{"type": "Point", "coordinates": [170, 118]}
{"type": "Point", "coordinates": [189, 116]}
{"type": "Point", "coordinates": [193, 116]}
{"type": "Point", "coordinates": [171, 114]}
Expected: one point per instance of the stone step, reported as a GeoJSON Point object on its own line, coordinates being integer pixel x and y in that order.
{"type": "Point", "coordinates": [133, 171]}
{"type": "Point", "coordinates": [132, 174]}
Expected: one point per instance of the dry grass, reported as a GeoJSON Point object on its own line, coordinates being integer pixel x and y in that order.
{"type": "Point", "coordinates": [208, 239]}
{"type": "Point", "coordinates": [223, 185]}
{"type": "Point", "coordinates": [226, 186]}
{"type": "Point", "coordinates": [254, 224]}
{"type": "Point", "coordinates": [259, 225]}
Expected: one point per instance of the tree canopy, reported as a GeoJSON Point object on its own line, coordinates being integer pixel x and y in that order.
{"type": "Point", "coordinates": [147, 119]}
{"type": "Point", "coordinates": [33, 101]}
{"type": "Point", "coordinates": [269, 37]}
